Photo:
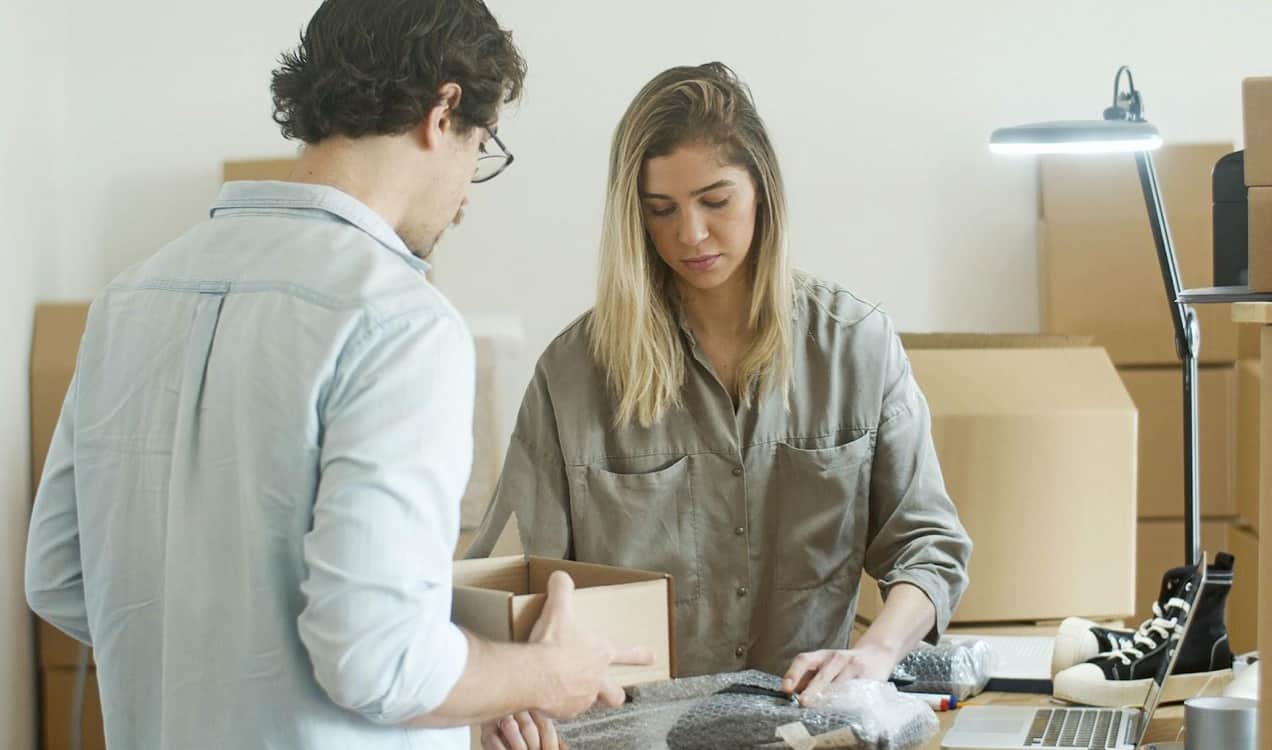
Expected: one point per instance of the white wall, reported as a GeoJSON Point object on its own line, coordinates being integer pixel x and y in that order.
{"type": "Point", "coordinates": [32, 93]}
{"type": "Point", "coordinates": [880, 110]}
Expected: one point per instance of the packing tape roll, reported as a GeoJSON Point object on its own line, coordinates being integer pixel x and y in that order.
{"type": "Point", "coordinates": [796, 736]}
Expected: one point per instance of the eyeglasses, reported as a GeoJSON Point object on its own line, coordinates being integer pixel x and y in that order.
{"type": "Point", "coordinates": [491, 164]}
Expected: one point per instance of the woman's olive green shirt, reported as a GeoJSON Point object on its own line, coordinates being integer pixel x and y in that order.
{"type": "Point", "coordinates": [765, 517]}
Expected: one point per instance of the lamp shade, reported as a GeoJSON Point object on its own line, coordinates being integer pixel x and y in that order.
{"type": "Point", "coordinates": [1076, 137]}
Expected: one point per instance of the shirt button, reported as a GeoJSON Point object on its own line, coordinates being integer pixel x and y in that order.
{"type": "Point", "coordinates": [743, 591]}
{"type": "Point", "coordinates": [740, 651]}
{"type": "Point", "coordinates": [740, 531]}
{"type": "Point", "coordinates": [737, 471]}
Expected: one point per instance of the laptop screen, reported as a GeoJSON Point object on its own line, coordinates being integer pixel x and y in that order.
{"type": "Point", "coordinates": [1192, 590]}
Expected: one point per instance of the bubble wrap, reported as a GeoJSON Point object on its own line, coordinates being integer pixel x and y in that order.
{"type": "Point", "coordinates": [693, 714]}
{"type": "Point", "coordinates": [960, 669]}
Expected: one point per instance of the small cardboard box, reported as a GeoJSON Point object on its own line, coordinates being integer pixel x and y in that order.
{"type": "Point", "coordinates": [1158, 395]}
{"type": "Point", "coordinates": [57, 700]}
{"type": "Point", "coordinates": [1260, 238]}
{"type": "Point", "coordinates": [1038, 449]}
{"type": "Point", "coordinates": [1249, 383]}
{"type": "Point", "coordinates": [500, 598]}
{"type": "Point", "coordinates": [1161, 547]}
{"type": "Point", "coordinates": [1256, 105]}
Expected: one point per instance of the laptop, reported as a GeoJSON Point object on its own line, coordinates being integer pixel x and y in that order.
{"type": "Point", "coordinates": [1030, 727]}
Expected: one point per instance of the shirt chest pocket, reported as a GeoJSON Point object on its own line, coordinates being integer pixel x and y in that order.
{"type": "Point", "coordinates": [646, 521]}
{"type": "Point", "coordinates": [823, 505]}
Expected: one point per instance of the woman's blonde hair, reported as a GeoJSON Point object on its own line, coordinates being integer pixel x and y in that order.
{"type": "Point", "coordinates": [633, 328]}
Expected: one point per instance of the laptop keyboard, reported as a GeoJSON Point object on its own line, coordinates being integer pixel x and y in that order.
{"type": "Point", "coordinates": [1090, 728]}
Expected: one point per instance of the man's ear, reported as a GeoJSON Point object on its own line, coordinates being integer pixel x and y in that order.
{"type": "Point", "coordinates": [441, 117]}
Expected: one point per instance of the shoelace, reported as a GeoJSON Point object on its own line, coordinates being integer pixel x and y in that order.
{"type": "Point", "coordinates": [1156, 625]}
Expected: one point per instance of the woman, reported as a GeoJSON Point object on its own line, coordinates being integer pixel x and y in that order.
{"type": "Point", "coordinates": [754, 432]}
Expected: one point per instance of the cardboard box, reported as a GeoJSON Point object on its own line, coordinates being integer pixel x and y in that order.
{"type": "Point", "coordinates": [500, 598]}
{"type": "Point", "coordinates": [1243, 604]}
{"type": "Point", "coordinates": [54, 347]}
{"type": "Point", "coordinates": [1038, 450]}
{"type": "Point", "coordinates": [257, 169]}
{"type": "Point", "coordinates": [1248, 342]}
{"type": "Point", "coordinates": [1158, 394]}
{"type": "Point", "coordinates": [1265, 515]}
{"type": "Point", "coordinates": [1095, 244]}
{"type": "Point", "coordinates": [1101, 277]}
{"type": "Point", "coordinates": [1106, 187]}
{"type": "Point", "coordinates": [1249, 384]}
{"type": "Point", "coordinates": [1260, 238]}
{"type": "Point", "coordinates": [1161, 547]}
{"type": "Point", "coordinates": [1256, 104]}
{"type": "Point", "coordinates": [57, 691]}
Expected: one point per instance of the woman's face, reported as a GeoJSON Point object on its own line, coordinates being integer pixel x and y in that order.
{"type": "Point", "coordinates": [700, 214]}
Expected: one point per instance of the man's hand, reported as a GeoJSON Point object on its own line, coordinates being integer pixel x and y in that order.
{"type": "Point", "coordinates": [578, 676]}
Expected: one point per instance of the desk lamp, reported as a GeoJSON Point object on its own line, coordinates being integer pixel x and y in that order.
{"type": "Point", "coordinates": [1124, 129]}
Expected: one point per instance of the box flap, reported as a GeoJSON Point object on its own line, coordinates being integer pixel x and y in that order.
{"type": "Point", "coordinates": [485, 612]}
{"type": "Point", "coordinates": [967, 382]}
{"type": "Point", "coordinates": [500, 573]}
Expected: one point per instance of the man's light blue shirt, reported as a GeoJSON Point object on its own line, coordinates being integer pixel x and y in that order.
{"type": "Point", "coordinates": [252, 497]}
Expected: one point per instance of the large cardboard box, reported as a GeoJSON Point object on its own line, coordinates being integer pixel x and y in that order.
{"type": "Point", "coordinates": [1161, 547]}
{"type": "Point", "coordinates": [1158, 395]}
{"type": "Point", "coordinates": [58, 690]}
{"type": "Point", "coordinates": [500, 598]}
{"type": "Point", "coordinates": [1038, 450]}
{"type": "Point", "coordinates": [1106, 187]}
{"type": "Point", "coordinates": [1256, 104]}
{"type": "Point", "coordinates": [1101, 277]}
{"type": "Point", "coordinates": [1098, 267]}
{"type": "Point", "coordinates": [1260, 238]}
{"type": "Point", "coordinates": [1249, 384]}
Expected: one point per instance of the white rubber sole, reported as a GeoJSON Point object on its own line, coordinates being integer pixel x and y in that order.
{"type": "Point", "coordinates": [1084, 684]}
{"type": "Point", "coordinates": [1074, 644]}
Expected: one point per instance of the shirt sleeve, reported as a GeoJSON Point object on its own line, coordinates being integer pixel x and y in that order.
{"type": "Point", "coordinates": [54, 574]}
{"type": "Point", "coordinates": [396, 451]}
{"type": "Point", "coordinates": [533, 484]}
{"type": "Point", "coordinates": [915, 535]}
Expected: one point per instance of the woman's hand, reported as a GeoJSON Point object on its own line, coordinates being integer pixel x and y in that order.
{"type": "Point", "coordinates": [813, 672]}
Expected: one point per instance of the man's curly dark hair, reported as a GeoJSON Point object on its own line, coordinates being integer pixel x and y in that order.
{"type": "Point", "coordinates": [374, 67]}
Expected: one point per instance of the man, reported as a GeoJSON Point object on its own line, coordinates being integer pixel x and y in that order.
{"type": "Point", "coordinates": [252, 496]}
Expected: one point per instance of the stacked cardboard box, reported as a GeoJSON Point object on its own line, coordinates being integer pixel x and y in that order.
{"type": "Point", "coordinates": [1256, 97]}
{"type": "Point", "coordinates": [1099, 275]}
{"type": "Point", "coordinates": [53, 351]}
{"type": "Point", "coordinates": [1037, 440]}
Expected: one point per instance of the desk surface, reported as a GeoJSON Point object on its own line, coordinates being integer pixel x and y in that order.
{"type": "Point", "coordinates": [1165, 726]}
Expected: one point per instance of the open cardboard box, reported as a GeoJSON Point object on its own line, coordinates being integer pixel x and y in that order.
{"type": "Point", "coordinates": [500, 599]}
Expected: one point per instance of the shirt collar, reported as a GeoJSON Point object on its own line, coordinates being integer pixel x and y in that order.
{"type": "Point", "coordinates": [303, 196]}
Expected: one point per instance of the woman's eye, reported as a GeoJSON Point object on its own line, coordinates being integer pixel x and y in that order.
{"type": "Point", "coordinates": [662, 211]}
{"type": "Point", "coordinates": [716, 204]}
